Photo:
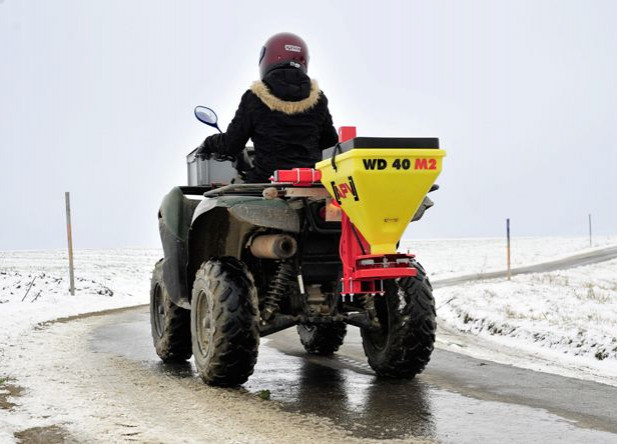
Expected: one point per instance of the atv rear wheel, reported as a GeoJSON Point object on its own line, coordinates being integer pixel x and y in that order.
{"type": "Point", "coordinates": [322, 339]}
{"type": "Point", "coordinates": [224, 322]}
{"type": "Point", "coordinates": [170, 324]}
{"type": "Point", "coordinates": [402, 347]}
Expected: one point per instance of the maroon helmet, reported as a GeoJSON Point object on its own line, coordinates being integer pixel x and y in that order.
{"type": "Point", "coordinates": [283, 49]}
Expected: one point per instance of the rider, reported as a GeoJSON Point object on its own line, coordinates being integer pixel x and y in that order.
{"type": "Point", "coordinates": [285, 114]}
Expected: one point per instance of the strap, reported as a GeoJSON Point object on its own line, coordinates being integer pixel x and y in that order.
{"type": "Point", "coordinates": [333, 158]}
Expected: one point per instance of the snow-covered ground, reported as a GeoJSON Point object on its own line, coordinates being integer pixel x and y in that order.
{"type": "Point", "coordinates": [34, 285]}
{"type": "Point", "coordinates": [34, 288]}
{"type": "Point", "coordinates": [445, 258]}
{"type": "Point", "coordinates": [569, 316]}
{"type": "Point", "coordinates": [566, 317]}
{"type": "Point", "coordinates": [573, 312]}
{"type": "Point", "coordinates": [563, 322]}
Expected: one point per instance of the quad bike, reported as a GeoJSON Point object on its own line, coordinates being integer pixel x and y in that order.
{"type": "Point", "coordinates": [315, 249]}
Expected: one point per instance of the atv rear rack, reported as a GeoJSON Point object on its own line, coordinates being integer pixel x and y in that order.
{"type": "Point", "coordinates": [258, 188]}
{"type": "Point", "coordinates": [238, 188]}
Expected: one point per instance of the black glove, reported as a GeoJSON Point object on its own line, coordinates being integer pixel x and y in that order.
{"type": "Point", "coordinates": [203, 152]}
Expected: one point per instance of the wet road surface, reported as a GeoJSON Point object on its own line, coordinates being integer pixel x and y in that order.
{"type": "Point", "coordinates": [457, 399]}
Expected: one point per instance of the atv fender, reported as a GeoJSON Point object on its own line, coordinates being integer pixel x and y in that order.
{"type": "Point", "coordinates": [221, 226]}
{"type": "Point", "coordinates": [274, 213]}
{"type": "Point", "coordinates": [175, 215]}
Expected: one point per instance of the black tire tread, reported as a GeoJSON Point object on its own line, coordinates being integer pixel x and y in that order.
{"type": "Point", "coordinates": [236, 337]}
{"type": "Point", "coordinates": [411, 335]}
{"type": "Point", "coordinates": [175, 343]}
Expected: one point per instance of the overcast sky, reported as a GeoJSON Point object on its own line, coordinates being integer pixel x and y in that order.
{"type": "Point", "coordinates": [96, 98]}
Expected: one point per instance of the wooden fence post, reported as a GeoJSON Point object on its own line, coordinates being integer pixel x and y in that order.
{"type": "Point", "coordinates": [590, 243]}
{"type": "Point", "coordinates": [69, 236]}
{"type": "Point", "coordinates": [508, 248]}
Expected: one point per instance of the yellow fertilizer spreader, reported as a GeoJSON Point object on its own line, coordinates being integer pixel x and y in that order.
{"type": "Point", "coordinates": [379, 184]}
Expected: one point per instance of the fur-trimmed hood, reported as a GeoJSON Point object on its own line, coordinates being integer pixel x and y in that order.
{"type": "Point", "coordinates": [260, 89]}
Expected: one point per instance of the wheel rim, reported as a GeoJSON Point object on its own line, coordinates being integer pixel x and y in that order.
{"type": "Point", "coordinates": [158, 311]}
{"type": "Point", "coordinates": [204, 324]}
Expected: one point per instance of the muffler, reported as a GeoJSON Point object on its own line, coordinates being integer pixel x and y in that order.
{"type": "Point", "coordinates": [274, 246]}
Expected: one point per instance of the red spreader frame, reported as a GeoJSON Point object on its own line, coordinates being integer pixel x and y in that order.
{"type": "Point", "coordinates": [363, 272]}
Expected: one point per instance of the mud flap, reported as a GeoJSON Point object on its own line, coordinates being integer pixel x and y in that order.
{"type": "Point", "coordinates": [425, 205]}
{"type": "Point", "coordinates": [175, 217]}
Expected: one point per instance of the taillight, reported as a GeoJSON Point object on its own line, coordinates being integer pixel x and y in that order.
{"type": "Point", "coordinates": [330, 212]}
{"type": "Point", "coordinates": [322, 212]}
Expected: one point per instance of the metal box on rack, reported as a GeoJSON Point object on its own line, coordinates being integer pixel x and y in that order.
{"type": "Point", "coordinates": [208, 171]}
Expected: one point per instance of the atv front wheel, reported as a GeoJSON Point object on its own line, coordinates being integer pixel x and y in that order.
{"type": "Point", "coordinates": [170, 324]}
{"type": "Point", "coordinates": [402, 347]}
{"type": "Point", "coordinates": [322, 339]}
{"type": "Point", "coordinates": [224, 322]}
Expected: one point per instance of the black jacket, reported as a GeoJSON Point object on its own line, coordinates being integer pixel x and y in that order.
{"type": "Point", "coordinates": [287, 117]}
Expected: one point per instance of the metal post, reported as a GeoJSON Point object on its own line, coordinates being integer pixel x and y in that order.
{"type": "Point", "coordinates": [508, 248]}
{"type": "Point", "coordinates": [590, 230]}
{"type": "Point", "coordinates": [69, 236]}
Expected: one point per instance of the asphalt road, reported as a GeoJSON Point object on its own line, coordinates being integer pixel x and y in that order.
{"type": "Point", "coordinates": [457, 399]}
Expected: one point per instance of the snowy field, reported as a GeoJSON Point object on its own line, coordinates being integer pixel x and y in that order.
{"type": "Point", "coordinates": [34, 285]}
{"type": "Point", "coordinates": [568, 315]}
{"type": "Point", "coordinates": [562, 322]}
{"type": "Point", "coordinates": [454, 257]}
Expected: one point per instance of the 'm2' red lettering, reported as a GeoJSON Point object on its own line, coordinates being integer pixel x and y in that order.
{"type": "Point", "coordinates": [425, 164]}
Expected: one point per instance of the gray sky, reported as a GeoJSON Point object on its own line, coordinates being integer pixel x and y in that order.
{"type": "Point", "coordinates": [96, 97]}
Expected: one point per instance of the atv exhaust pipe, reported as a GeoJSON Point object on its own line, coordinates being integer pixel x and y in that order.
{"type": "Point", "coordinates": [274, 246]}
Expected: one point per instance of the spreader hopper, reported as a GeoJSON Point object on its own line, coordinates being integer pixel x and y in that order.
{"type": "Point", "coordinates": [380, 183]}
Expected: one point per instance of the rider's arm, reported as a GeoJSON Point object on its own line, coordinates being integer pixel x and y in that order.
{"type": "Point", "coordinates": [328, 136]}
{"type": "Point", "coordinates": [238, 132]}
